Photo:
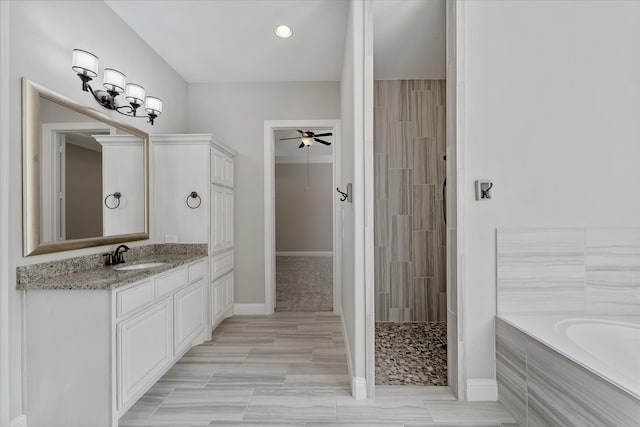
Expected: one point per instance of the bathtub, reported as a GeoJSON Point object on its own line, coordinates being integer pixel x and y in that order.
{"type": "Point", "coordinates": [608, 346]}
{"type": "Point", "coordinates": [557, 369]}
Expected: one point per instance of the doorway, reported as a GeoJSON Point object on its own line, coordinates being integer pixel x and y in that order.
{"type": "Point", "coordinates": [298, 174]}
{"type": "Point", "coordinates": [304, 220]}
{"type": "Point", "coordinates": [412, 295]}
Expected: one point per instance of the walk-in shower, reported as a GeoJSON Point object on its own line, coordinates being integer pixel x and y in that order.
{"type": "Point", "coordinates": [410, 232]}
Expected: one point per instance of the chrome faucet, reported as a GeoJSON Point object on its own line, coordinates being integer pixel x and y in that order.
{"type": "Point", "coordinates": [117, 257]}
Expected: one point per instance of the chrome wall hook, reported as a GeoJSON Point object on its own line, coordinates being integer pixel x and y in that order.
{"type": "Point", "coordinates": [345, 196]}
{"type": "Point", "coordinates": [194, 195]}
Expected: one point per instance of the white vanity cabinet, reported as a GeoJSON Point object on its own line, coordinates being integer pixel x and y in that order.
{"type": "Point", "coordinates": [168, 319]}
{"type": "Point", "coordinates": [184, 164]}
{"type": "Point", "coordinates": [93, 353]}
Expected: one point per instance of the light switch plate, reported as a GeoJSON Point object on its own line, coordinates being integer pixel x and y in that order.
{"type": "Point", "coordinates": [170, 238]}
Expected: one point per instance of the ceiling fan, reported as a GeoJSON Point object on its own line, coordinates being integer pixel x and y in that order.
{"type": "Point", "coordinates": [307, 137]}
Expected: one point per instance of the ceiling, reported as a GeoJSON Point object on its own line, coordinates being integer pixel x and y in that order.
{"type": "Point", "coordinates": [288, 151]}
{"type": "Point", "coordinates": [409, 39]}
{"type": "Point", "coordinates": [234, 41]}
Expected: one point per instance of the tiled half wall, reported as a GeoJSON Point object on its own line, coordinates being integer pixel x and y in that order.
{"type": "Point", "coordinates": [410, 234]}
{"type": "Point", "coordinates": [576, 270]}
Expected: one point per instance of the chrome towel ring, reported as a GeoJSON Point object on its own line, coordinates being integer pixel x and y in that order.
{"type": "Point", "coordinates": [117, 195]}
{"type": "Point", "coordinates": [194, 195]}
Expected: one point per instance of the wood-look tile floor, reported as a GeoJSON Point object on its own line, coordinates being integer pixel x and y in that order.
{"type": "Point", "coordinates": [290, 369]}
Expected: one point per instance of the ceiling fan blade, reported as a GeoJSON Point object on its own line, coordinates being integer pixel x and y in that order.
{"type": "Point", "coordinates": [301, 145]}
{"type": "Point", "coordinates": [323, 134]}
{"type": "Point", "coordinates": [322, 142]}
{"type": "Point", "coordinates": [300, 131]}
{"type": "Point", "coordinates": [284, 139]}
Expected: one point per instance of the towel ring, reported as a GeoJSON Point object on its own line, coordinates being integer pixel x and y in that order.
{"type": "Point", "coordinates": [117, 195]}
{"type": "Point", "coordinates": [194, 195]}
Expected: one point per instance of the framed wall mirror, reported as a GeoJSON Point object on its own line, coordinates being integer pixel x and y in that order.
{"type": "Point", "coordinates": [85, 176]}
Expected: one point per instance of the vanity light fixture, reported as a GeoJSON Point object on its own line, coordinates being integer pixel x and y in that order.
{"type": "Point", "coordinates": [283, 31]}
{"type": "Point", "coordinates": [85, 64]}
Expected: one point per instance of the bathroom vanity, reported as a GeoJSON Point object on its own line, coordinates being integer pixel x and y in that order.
{"type": "Point", "coordinates": [98, 339]}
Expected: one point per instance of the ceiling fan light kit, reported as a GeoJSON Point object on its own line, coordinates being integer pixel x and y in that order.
{"type": "Point", "coordinates": [307, 138]}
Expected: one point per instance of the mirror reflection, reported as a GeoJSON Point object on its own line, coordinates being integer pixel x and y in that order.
{"type": "Point", "coordinates": [91, 175]}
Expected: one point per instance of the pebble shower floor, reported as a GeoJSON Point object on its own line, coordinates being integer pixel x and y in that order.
{"type": "Point", "coordinates": [411, 353]}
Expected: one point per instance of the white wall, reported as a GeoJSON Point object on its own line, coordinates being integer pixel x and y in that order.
{"type": "Point", "coordinates": [552, 108]}
{"type": "Point", "coordinates": [304, 207]}
{"type": "Point", "coordinates": [235, 113]}
{"type": "Point", "coordinates": [352, 170]}
{"type": "Point", "coordinates": [41, 37]}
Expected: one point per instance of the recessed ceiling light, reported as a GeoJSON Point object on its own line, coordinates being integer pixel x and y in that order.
{"type": "Point", "coordinates": [283, 31]}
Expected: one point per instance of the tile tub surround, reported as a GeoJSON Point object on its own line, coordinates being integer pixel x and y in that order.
{"type": "Point", "coordinates": [578, 270]}
{"type": "Point", "coordinates": [409, 228]}
{"type": "Point", "coordinates": [541, 386]}
{"type": "Point", "coordinates": [290, 369]}
{"type": "Point", "coordinates": [89, 272]}
{"type": "Point", "coordinates": [411, 353]}
{"type": "Point", "coordinates": [304, 283]}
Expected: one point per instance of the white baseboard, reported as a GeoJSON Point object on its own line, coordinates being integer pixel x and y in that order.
{"type": "Point", "coordinates": [346, 346]}
{"type": "Point", "coordinates": [19, 421]}
{"type": "Point", "coordinates": [358, 384]}
{"type": "Point", "coordinates": [359, 388]}
{"type": "Point", "coordinates": [482, 390]}
{"type": "Point", "coordinates": [315, 253]}
{"type": "Point", "coordinates": [248, 309]}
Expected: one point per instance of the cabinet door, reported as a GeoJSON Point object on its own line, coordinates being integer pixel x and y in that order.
{"type": "Point", "coordinates": [228, 171]}
{"type": "Point", "coordinates": [144, 348]}
{"type": "Point", "coordinates": [217, 300]}
{"type": "Point", "coordinates": [229, 291]}
{"type": "Point", "coordinates": [228, 218]}
{"type": "Point", "coordinates": [218, 161]}
{"type": "Point", "coordinates": [217, 218]}
{"type": "Point", "coordinates": [188, 315]}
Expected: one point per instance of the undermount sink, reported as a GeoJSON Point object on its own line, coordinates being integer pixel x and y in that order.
{"type": "Point", "coordinates": [140, 266]}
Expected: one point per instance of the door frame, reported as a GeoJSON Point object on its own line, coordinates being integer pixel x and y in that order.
{"type": "Point", "coordinates": [455, 172]}
{"type": "Point", "coordinates": [53, 152]}
{"type": "Point", "coordinates": [270, 126]}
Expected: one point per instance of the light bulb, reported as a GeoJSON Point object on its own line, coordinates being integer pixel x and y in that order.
{"type": "Point", "coordinates": [283, 31]}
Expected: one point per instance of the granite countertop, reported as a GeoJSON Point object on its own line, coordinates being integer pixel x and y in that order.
{"type": "Point", "coordinates": [104, 277]}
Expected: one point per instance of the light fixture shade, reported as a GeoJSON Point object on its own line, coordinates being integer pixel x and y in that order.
{"type": "Point", "coordinates": [114, 80]}
{"type": "Point", "coordinates": [134, 93]}
{"type": "Point", "coordinates": [85, 63]}
{"type": "Point", "coordinates": [307, 140]}
{"type": "Point", "coordinates": [153, 105]}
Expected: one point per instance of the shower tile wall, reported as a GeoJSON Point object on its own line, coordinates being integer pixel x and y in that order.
{"type": "Point", "coordinates": [410, 234]}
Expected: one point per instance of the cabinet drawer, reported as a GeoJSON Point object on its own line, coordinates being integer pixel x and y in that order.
{"type": "Point", "coordinates": [170, 282]}
{"type": "Point", "coordinates": [197, 271]}
{"type": "Point", "coordinates": [129, 300]}
{"type": "Point", "coordinates": [221, 264]}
